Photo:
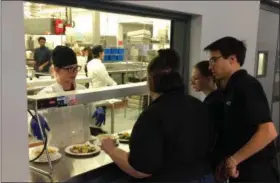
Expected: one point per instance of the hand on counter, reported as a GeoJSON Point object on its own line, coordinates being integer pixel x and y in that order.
{"type": "Point", "coordinates": [108, 145]}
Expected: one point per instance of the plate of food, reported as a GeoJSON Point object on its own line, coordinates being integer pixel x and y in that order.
{"type": "Point", "coordinates": [124, 137]}
{"type": "Point", "coordinates": [53, 152]}
{"type": "Point", "coordinates": [103, 136]}
{"type": "Point", "coordinates": [83, 149]}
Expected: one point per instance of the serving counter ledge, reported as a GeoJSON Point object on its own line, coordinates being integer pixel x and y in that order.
{"type": "Point", "coordinates": [69, 167]}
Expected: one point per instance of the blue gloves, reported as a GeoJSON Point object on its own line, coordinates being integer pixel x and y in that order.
{"type": "Point", "coordinates": [100, 116]}
{"type": "Point", "coordinates": [35, 128]}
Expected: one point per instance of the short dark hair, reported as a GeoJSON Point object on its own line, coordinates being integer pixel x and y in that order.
{"type": "Point", "coordinates": [96, 50]}
{"type": "Point", "coordinates": [229, 46]}
{"type": "Point", "coordinates": [41, 38]}
{"type": "Point", "coordinates": [163, 72]}
{"type": "Point", "coordinates": [203, 68]}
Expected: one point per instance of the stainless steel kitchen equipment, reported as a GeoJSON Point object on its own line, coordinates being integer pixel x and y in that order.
{"type": "Point", "coordinates": [56, 100]}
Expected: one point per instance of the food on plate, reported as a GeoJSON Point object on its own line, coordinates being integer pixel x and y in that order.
{"type": "Point", "coordinates": [124, 136]}
{"type": "Point", "coordinates": [101, 137]}
{"type": "Point", "coordinates": [51, 150]}
{"type": "Point", "coordinates": [82, 149]}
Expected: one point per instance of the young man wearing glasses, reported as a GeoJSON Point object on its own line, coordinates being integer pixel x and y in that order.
{"type": "Point", "coordinates": [68, 125]}
{"type": "Point", "coordinates": [248, 131]}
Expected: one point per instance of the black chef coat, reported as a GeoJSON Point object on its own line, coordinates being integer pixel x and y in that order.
{"type": "Point", "coordinates": [42, 55]}
{"type": "Point", "coordinates": [168, 140]}
{"type": "Point", "coordinates": [215, 105]}
{"type": "Point", "coordinates": [246, 107]}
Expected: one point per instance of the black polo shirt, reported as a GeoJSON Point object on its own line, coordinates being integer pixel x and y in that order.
{"type": "Point", "coordinates": [41, 56]}
{"type": "Point", "coordinates": [215, 105]}
{"type": "Point", "coordinates": [246, 107]}
{"type": "Point", "coordinates": [168, 140]}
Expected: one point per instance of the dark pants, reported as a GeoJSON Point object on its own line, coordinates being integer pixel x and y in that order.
{"type": "Point", "coordinates": [258, 172]}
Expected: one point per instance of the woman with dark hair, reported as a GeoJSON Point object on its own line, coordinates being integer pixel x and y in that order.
{"type": "Point", "coordinates": [88, 54]}
{"type": "Point", "coordinates": [167, 142]}
{"type": "Point", "coordinates": [97, 70]}
{"type": "Point", "coordinates": [203, 81]}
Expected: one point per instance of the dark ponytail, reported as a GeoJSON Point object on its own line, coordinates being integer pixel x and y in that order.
{"type": "Point", "coordinates": [89, 57]}
{"type": "Point", "coordinates": [163, 72]}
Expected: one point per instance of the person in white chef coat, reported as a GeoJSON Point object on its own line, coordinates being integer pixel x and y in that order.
{"type": "Point", "coordinates": [97, 70]}
{"type": "Point", "coordinates": [68, 125]}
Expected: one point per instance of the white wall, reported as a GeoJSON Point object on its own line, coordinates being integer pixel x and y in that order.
{"type": "Point", "coordinates": [219, 18]}
{"type": "Point", "coordinates": [14, 155]}
{"type": "Point", "coordinates": [267, 41]}
{"type": "Point", "coordinates": [1, 93]}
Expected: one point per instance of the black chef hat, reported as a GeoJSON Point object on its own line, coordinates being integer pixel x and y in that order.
{"type": "Point", "coordinates": [63, 56]}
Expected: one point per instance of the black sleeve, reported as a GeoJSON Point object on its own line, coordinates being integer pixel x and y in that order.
{"type": "Point", "coordinates": [49, 55]}
{"type": "Point", "coordinates": [36, 59]}
{"type": "Point", "coordinates": [146, 143]}
{"type": "Point", "coordinates": [256, 104]}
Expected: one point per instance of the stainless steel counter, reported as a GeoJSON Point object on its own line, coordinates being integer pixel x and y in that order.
{"type": "Point", "coordinates": [68, 167]}
{"type": "Point", "coordinates": [126, 70]}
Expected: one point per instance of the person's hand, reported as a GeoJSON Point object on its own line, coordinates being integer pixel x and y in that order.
{"type": "Point", "coordinates": [41, 68]}
{"type": "Point", "coordinates": [108, 145]}
{"type": "Point", "coordinates": [221, 172]}
{"type": "Point", "coordinates": [232, 168]}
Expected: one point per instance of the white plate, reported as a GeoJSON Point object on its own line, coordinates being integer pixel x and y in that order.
{"type": "Point", "coordinates": [68, 151]}
{"type": "Point", "coordinates": [43, 158]}
{"type": "Point", "coordinates": [123, 140]}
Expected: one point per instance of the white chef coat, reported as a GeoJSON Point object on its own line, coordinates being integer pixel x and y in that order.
{"type": "Point", "coordinates": [69, 125]}
{"type": "Point", "coordinates": [98, 72]}
{"type": "Point", "coordinates": [82, 61]}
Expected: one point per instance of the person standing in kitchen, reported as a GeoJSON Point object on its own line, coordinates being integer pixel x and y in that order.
{"type": "Point", "coordinates": [42, 57]}
{"type": "Point", "coordinates": [248, 131]}
{"type": "Point", "coordinates": [97, 70]}
{"type": "Point", "coordinates": [203, 81]}
{"type": "Point", "coordinates": [75, 121]}
{"type": "Point", "coordinates": [87, 53]}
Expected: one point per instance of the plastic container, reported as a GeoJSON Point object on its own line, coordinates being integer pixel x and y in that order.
{"type": "Point", "coordinates": [121, 51]}
{"type": "Point", "coordinates": [107, 58]}
{"type": "Point", "coordinates": [113, 58]}
{"type": "Point", "coordinates": [120, 58]}
{"type": "Point", "coordinates": [114, 50]}
{"type": "Point", "coordinates": [107, 51]}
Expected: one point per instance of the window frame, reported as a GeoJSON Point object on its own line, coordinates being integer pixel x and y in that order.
{"type": "Point", "coordinates": [179, 20]}
{"type": "Point", "coordinates": [266, 56]}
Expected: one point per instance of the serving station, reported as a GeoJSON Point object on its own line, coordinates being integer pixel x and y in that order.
{"type": "Point", "coordinates": [68, 167]}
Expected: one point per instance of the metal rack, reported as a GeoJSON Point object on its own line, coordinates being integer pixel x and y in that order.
{"type": "Point", "coordinates": [39, 102]}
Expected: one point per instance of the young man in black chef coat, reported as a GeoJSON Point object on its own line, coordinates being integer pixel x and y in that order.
{"type": "Point", "coordinates": [248, 131]}
{"type": "Point", "coordinates": [42, 57]}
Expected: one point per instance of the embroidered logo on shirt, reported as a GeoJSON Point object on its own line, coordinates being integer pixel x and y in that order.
{"type": "Point", "coordinates": [228, 103]}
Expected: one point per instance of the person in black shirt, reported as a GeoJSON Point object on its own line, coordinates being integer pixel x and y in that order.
{"type": "Point", "coordinates": [248, 132]}
{"type": "Point", "coordinates": [42, 57]}
{"type": "Point", "coordinates": [167, 142]}
{"type": "Point", "coordinates": [203, 81]}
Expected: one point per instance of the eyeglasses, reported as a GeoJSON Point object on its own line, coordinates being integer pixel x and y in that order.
{"type": "Point", "coordinates": [76, 68]}
{"type": "Point", "coordinates": [213, 60]}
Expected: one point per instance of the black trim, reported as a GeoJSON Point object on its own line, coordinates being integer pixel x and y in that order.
{"type": "Point", "coordinates": [270, 3]}
{"type": "Point", "coordinates": [276, 99]}
{"type": "Point", "coordinates": [118, 7]}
